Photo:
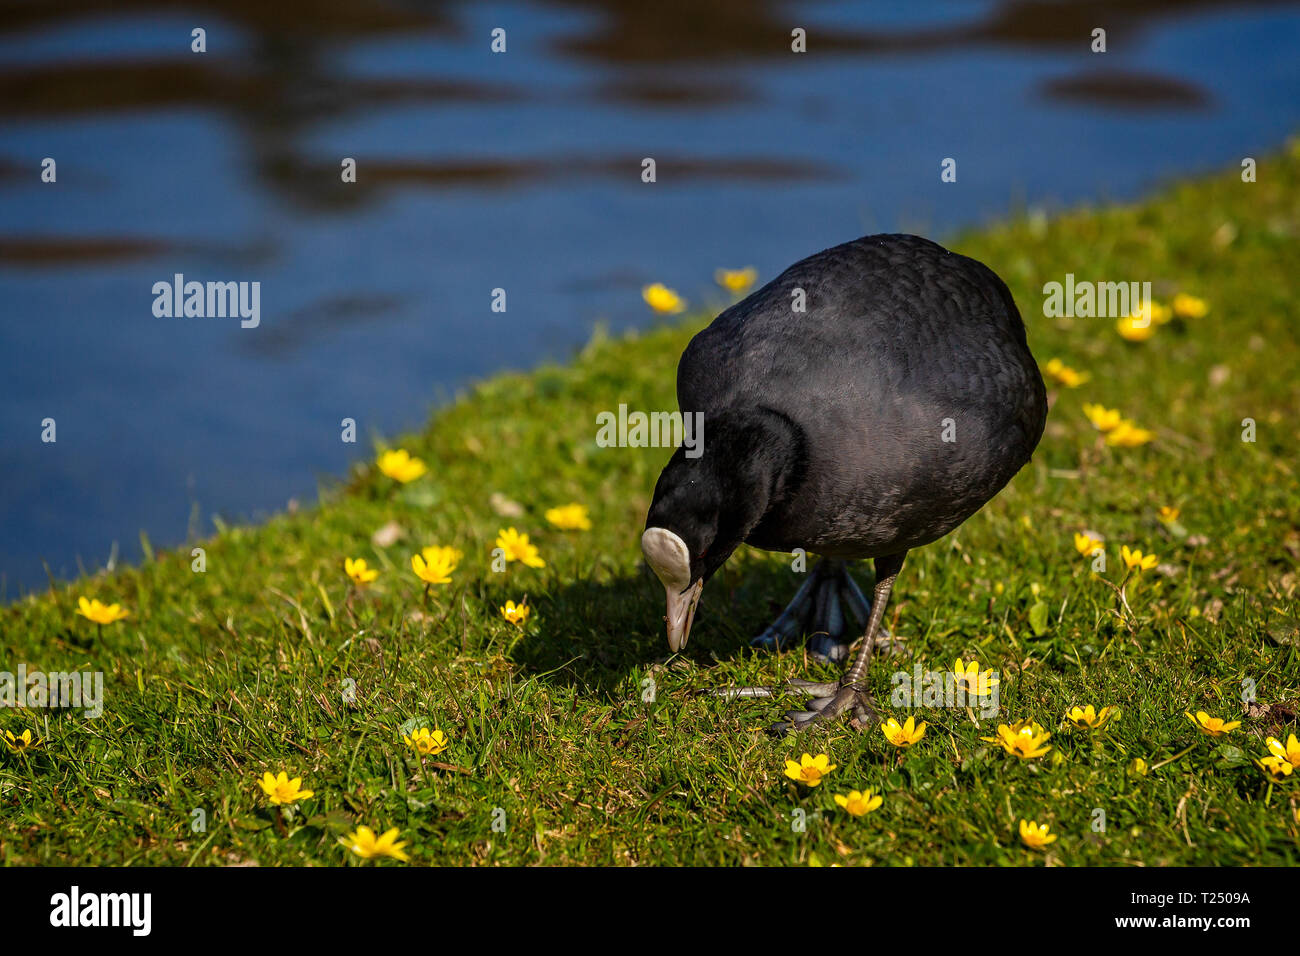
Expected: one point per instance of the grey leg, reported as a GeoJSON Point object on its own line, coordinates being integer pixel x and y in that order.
{"type": "Point", "coordinates": [789, 624]}
{"type": "Point", "coordinates": [851, 692]}
{"type": "Point", "coordinates": [829, 700]}
{"type": "Point", "coordinates": [818, 611]}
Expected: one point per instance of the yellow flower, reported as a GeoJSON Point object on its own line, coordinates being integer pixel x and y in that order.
{"type": "Point", "coordinates": [1290, 753]}
{"type": "Point", "coordinates": [400, 466]}
{"type": "Point", "coordinates": [904, 734]}
{"type": "Point", "coordinates": [1062, 374]}
{"type": "Point", "coordinates": [1138, 767]}
{"type": "Point", "coordinates": [356, 569]}
{"type": "Point", "coordinates": [1103, 419]}
{"type": "Point", "coordinates": [1085, 543]}
{"type": "Point", "coordinates": [281, 790]}
{"type": "Point", "coordinates": [23, 742]}
{"type": "Point", "coordinates": [1189, 306]}
{"type": "Point", "coordinates": [969, 676]}
{"type": "Point", "coordinates": [434, 565]}
{"type": "Point", "coordinates": [1127, 435]}
{"type": "Point", "coordinates": [858, 803]}
{"type": "Point", "coordinates": [736, 280]}
{"type": "Point", "coordinates": [427, 743]}
{"type": "Point", "coordinates": [1140, 325]}
{"type": "Point", "coordinates": [1035, 835]}
{"type": "Point", "coordinates": [1167, 515]}
{"type": "Point", "coordinates": [1023, 739]}
{"type": "Point", "coordinates": [1136, 560]}
{"type": "Point", "coordinates": [1135, 328]}
{"type": "Point", "coordinates": [663, 299]}
{"type": "Point", "coordinates": [516, 614]}
{"type": "Point", "coordinates": [569, 517]}
{"type": "Point", "coordinates": [517, 548]}
{"type": "Point", "coordinates": [101, 613]}
{"type": "Point", "coordinates": [1087, 718]}
{"type": "Point", "coordinates": [809, 770]}
{"type": "Point", "coordinates": [1214, 726]}
{"type": "Point", "coordinates": [366, 845]}
{"type": "Point", "coordinates": [1277, 770]}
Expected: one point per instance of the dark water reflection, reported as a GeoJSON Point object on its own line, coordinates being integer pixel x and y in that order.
{"type": "Point", "coordinates": [520, 171]}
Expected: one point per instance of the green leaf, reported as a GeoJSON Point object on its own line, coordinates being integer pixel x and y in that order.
{"type": "Point", "coordinates": [1038, 619]}
{"type": "Point", "coordinates": [419, 494]}
{"type": "Point", "coordinates": [413, 724]}
{"type": "Point", "coordinates": [1230, 756]}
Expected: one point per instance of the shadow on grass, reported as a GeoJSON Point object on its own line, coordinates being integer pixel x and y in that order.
{"type": "Point", "coordinates": [613, 629]}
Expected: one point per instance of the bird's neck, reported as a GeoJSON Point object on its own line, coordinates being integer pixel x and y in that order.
{"type": "Point", "coordinates": [759, 459]}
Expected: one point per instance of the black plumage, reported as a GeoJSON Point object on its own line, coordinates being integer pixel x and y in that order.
{"type": "Point", "coordinates": [896, 403]}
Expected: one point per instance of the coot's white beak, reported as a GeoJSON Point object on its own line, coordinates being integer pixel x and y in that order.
{"type": "Point", "coordinates": [670, 560]}
{"type": "Point", "coordinates": [681, 614]}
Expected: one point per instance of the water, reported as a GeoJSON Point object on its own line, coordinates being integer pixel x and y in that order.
{"type": "Point", "coordinates": [518, 171]}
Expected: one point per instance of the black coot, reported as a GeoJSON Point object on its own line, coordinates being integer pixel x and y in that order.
{"type": "Point", "coordinates": [865, 402]}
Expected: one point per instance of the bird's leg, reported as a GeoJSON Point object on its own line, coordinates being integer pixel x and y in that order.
{"type": "Point", "coordinates": [808, 687]}
{"type": "Point", "coordinates": [789, 624]}
{"type": "Point", "coordinates": [831, 699]}
{"type": "Point", "coordinates": [818, 610]}
{"type": "Point", "coordinates": [851, 692]}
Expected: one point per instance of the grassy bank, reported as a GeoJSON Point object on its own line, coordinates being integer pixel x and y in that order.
{"type": "Point", "coordinates": [269, 659]}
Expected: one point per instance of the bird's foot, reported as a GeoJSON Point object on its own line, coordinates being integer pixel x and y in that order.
{"type": "Point", "coordinates": [819, 610]}
{"type": "Point", "coordinates": [826, 704]}
{"type": "Point", "coordinates": [827, 701]}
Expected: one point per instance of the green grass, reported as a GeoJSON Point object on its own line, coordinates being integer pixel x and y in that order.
{"type": "Point", "coordinates": [219, 676]}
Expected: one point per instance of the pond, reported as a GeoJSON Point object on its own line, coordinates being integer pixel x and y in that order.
{"type": "Point", "coordinates": [519, 170]}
